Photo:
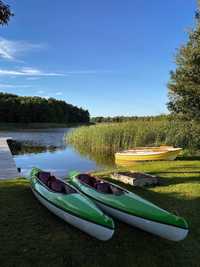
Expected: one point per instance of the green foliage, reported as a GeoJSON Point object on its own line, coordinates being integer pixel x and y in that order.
{"type": "Point", "coordinates": [5, 13]}
{"type": "Point", "coordinates": [128, 118]}
{"type": "Point", "coordinates": [17, 109]}
{"type": "Point", "coordinates": [108, 138]}
{"type": "Point", "coordinates": [184, 85]}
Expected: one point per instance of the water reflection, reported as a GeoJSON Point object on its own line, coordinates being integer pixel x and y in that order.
{"type": "Point", "coordinates": [48, 149]}
{"type": "Point", "coordinates": [21, 148]}
{"type": "Point", "coordinates": [100, 157]}
{"type": "Point", "coordinates": [39, 137]}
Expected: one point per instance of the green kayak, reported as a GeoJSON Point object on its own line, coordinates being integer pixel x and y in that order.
{"type": "Point", "coordinates": [130, 208]}
{"type": "Point", "coordinates": [69, 204]}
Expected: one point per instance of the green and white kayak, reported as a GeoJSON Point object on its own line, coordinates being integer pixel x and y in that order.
{"type": "Point", "coordinates": [130, 208]}
{"type": "Point", "coordinates": [69, 204]}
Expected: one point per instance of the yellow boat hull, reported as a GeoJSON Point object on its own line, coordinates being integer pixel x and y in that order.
{"type": "Point", "coordinates": [152, 154]}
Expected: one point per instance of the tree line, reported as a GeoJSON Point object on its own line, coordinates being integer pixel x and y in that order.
{"type": "Point", "coordinates": [129, 118]}
{"type": "Point", "coordinates": [23, 109]}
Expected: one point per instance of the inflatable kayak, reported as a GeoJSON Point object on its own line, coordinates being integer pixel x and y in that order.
{"type": "Point", "coordinates": [69, 204]}
{"type": "Point", "coordinates": [130, 208]}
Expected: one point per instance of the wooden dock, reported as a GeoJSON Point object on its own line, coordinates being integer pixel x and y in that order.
{"type": "Point", "coordinates": [8, 169]}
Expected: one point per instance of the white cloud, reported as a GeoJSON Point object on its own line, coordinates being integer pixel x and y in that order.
{"type": "Point", "coordinates": [11, 49]}
{"type": "Point", "coordinates": [40, 92]}
{"type": "Point", "coordinates": [87, 72]}
{"type": "Point", "coordinates": [83, 72]}
{"type": "Point", "coordinates": [58, 93]}
{"type": "Point", "coordinates": [7, 86]}
{"type": "Point", "coordinates": [28, 72]}
{"type": "Point", "coordinates": [33, 78]}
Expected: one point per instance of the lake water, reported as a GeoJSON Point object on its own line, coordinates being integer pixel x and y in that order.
{"type": "Point", "coordinates": [48, 149]}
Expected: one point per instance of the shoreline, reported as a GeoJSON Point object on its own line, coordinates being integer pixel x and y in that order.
{"type": "Point", "coordinates": [38, 125]}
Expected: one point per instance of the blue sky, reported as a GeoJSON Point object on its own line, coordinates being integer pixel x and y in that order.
{"type": "Point", "coordinates": [110, 57]}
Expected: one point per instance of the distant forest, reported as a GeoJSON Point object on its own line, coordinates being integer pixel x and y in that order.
{"type": "Point", "coordinates": [129, 118]}
{"type": "Point", "coordinates": [23, 109]}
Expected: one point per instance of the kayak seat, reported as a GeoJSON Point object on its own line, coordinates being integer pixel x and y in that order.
{"type": "Point", "coordinates": [99, 185]}
{"type": "Point", "coordinates": [44, 177]}
{"type": "Point", "coordinates": [116, 191]}
{"type": "Point", "coordinates": [69, 190]}
{"type": "Point", "coordinates": [56, 185]}
{"type": "Point", "coordinates": [103, 187]}
{"type": "Point", "coordinates": [92, 181]}
{"type": "Point", "coordinates": [60, 187]}
{"type": "Point", "coordinates": [84, 178]}
{"type": "Point", "coordinates": [87, 179]}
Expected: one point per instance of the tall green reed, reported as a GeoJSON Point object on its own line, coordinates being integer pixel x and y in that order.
{"type": "Point", "coordinates": [111, 137]}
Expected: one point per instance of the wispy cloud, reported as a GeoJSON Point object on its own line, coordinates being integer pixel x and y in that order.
{"type": "Point", "coordinates": [11, 49]}
{"type": "Point", "coordinates": [33, 73]}
{"type": "Point", "coordinates": [7, 86]}
{"type": "Point", "coordinates": [40, 92]}
{"type": "Point", "coordinates": [58, 93]}
{"type": "Point", "coordinates": [32, 78]}
{"type": "Point", "coordinates": [87, 72]}
{"type": "Point", "coordinates": [28, 72]}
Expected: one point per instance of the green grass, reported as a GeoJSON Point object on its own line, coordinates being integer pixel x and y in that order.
{"type": "Point", "coordinates": [31, 236]}
{"type": "Point", "coordinates": [111, 137]}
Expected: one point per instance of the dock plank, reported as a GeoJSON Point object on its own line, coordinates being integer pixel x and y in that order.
{"type": "Point", "coordinates": [8, 169]}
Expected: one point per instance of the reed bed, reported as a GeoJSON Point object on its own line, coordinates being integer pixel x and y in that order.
{"type": "Point", "coordinates": [111, 137]}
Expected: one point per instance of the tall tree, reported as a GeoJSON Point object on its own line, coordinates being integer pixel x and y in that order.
{"type": "Point", "coordinates": [5, 13]}
{"type": "Point", "coordinates": [184, 84]}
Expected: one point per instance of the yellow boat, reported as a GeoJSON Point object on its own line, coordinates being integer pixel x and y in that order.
{"type": "Point", "coordinates": [148, 154]}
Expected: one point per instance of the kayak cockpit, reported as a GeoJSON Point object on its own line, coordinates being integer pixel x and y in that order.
{"type": "Point", "coordinates": [55, 184]}
{"type": "Point", "coordinates": [99, 185]}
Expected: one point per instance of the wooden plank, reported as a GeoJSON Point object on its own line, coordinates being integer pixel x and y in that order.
{"type": "Point", "coordinates": [8, 169]}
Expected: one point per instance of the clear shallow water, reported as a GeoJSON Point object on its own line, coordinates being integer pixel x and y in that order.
{"type": "Point", "coordinates": [47, 149]}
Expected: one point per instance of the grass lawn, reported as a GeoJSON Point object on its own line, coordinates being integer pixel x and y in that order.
{"type": "Point", "coordinates": [31, 236]}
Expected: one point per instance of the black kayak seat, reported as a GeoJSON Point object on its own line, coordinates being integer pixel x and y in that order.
{"type": "Point", "coordinates": [55, 184]}
{"type": "Point", "coordinates": [99, 185]}
{"type": "Point", "coordinates": [60, 187]}
{"type": "Point", "coordinates": [44, 177]}
{"type": "Point", "coordinates": [103, 187]}
{"type": "Point", "coordinates": [87, 179]}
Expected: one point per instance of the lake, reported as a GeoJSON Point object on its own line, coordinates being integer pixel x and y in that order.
{"type": "Point", "coordinates": [48, 149]}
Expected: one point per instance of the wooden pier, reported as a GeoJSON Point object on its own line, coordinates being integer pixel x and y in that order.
{"type": "Point", "coordinates": [8, 169]}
